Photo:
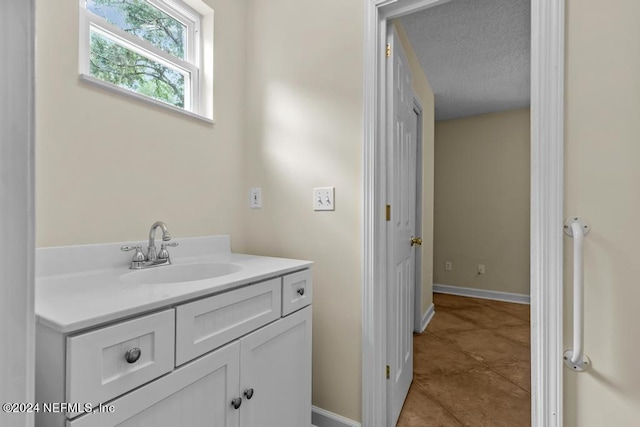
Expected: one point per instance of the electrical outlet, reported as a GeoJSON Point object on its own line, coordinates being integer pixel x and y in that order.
{"type": "Point", "coordinates": [448, 265]}
{"type": "Point", "coordinates": [323, 199]}
{"type": "Point", "coordinates": [255, 198]}
{"type": "Point", "coordinates": [480, 268]}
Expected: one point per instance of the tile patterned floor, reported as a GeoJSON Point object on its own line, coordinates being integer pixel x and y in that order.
{"type": "Point", "coordinates": [471, 366]}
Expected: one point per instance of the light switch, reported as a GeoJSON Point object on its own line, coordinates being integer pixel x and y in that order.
{"type": "Point", "coordinates": [324, 198]}
{"type": "Point", "coordinates": [255, 198]}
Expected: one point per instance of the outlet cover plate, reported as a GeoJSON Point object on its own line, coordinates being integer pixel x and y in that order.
{"type": "Point", "coordinates": [324, 199]}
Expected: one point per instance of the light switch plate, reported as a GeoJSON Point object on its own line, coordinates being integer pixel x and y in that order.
{"type": "Point", "coordinates": [324, 199]}
{"type": "Point", "coordinates": [255, 198]}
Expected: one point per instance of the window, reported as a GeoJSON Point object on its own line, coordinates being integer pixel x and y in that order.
{"type": "Point", "coordinates": [151, 48]}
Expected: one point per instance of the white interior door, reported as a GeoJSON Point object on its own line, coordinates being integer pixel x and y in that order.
{"type": "Point", "coordinates": [401, 195]}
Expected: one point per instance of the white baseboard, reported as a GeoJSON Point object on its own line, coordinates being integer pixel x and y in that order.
{"type": "Point", "coordinates": [322, 418]}
{"type": "Point", "coordinates": [426, 317]}
{"type": "Point", "coordinates": [482, 293]}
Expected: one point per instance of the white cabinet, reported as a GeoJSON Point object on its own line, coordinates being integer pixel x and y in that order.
{"type": "Point", "coordinates": [275, 368]}
{"type": "Point", "coordinates": [297, 291]}
{"type": "Point", "coordinates": [208, 323]}
{"type": "Point", "coordinates": [97, 365]}
{"type": "Point", "coordinates": [234, 359]}
{"type": "Point", "coordinates": [197, 394]}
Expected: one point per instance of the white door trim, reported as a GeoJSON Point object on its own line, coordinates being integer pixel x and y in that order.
{"type": "Point", "coordinates": [547, 120]}
{"type": "Point", "coordinates": [17, 253]}
{"type": "Point", "coordinates": [417, 314]}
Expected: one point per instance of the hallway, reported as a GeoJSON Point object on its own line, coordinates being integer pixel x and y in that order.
{"type": "Point", "coordinates": [471, 366]}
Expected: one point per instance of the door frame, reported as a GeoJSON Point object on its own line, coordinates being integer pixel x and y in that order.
{"type": "Point", "coordinates": [17, 206]}
{"type": "Point", "coordinates": [547, 144]}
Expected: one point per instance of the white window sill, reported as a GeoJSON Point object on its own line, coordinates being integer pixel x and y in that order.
{"type": "Point", "coordinates": [116, 89]}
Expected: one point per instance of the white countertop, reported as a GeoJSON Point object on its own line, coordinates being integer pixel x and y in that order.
{"type": "Point", "coordinates": [68, 300]}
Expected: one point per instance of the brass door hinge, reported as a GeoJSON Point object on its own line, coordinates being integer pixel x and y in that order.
{"type": "Point", "coordinates": [388, 372]}
{"type": "Point", "coordinates": [388, 212]}
{"type": "Point", "coordinates": [388, 50]}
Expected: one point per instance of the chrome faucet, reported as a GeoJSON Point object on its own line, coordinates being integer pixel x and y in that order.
{"type": "Point", "coordinates": [166, 236]}
{"type": "Point", "coordinates": [152, 258]}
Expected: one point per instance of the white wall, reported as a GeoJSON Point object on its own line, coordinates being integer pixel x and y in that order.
{"type": "Point", "coordinates": [16, 208]}
{"type": "Point", "coordinates": [482, 192]}
{"type": "Point", "coordinates": [109, 166]}
{"type": "Point", "coordinates": [602, 179]}
{"type": "Point", "coordinates": [304, 130]}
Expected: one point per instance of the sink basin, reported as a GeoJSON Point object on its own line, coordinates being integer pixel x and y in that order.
{"type": "Point", "coordinates": [180, 273]}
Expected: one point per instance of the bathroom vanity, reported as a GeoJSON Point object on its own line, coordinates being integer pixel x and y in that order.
{"type": "Point", "coordinates": [215, 339]}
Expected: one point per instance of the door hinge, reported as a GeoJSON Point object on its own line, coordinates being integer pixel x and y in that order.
{"type": "Point", "coordinates": [388, 372]}
{"type": "Point", "coordinates": [388, 212]}
{"type": "Point", "coordinates": [388, 50]}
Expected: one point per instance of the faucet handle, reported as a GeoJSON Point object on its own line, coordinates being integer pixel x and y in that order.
{"type": "Point", "coordinates": [138, 257]}
{"type": "Point", "coordinates": [164, 254]}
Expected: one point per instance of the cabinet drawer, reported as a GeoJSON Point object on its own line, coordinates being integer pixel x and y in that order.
{"type": "Point", "coordinates": [209, 323]}
{"type": "Point", "coordinates": [297, 291]}
{"type": "Point", "coordinates": [197, 394]}
{"type": "Point", "coordinates": [97, 369]}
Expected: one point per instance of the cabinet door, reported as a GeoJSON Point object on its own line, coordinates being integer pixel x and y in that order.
{"type": "Point", "coordinates": [198, 394]}
{"type": "Point", "coordinates": [276, 364]}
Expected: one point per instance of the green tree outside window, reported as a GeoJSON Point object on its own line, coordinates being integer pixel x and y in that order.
{"type": "Point", "coordinates": [113, 63]}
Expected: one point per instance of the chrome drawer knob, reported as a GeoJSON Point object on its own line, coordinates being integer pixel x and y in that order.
{"type": "Point", "coordinates": [132, 356]}
{"type": "Point", "coordinates": [236, 402]}
{"type": "Point", "coordinates": [248, 393]}
{"type": "Point", "coordinates": [301, 291]}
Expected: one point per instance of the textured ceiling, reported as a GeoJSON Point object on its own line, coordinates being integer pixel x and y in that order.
{"type": "Point", "coordinates": [475, 53]}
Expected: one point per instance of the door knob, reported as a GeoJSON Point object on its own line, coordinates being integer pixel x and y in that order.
{"type": "Point", "coordinates": [416, 241]}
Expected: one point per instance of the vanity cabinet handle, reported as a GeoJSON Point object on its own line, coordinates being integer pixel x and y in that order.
{"type": "Point", "coordinates": [132, 356]}
{"type": "Point", "coordinates": [301, 291]}
{"type": "Point", "coordinates": [248, 393]}
{"type": "Point", "coordinates": [236, 402]}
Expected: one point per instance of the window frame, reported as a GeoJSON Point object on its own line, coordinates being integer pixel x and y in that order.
{"type": "Point", "coordinates": [190, 67]}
